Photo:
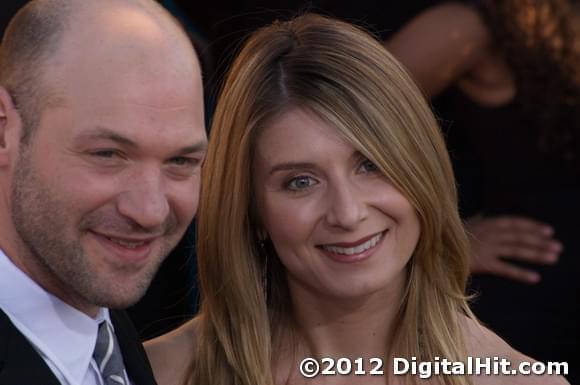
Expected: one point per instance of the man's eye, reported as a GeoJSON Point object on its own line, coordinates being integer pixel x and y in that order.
{"type": "Point", "coordinates": [300, 183]}
{"type": "Point", "coordinates": [105, 153]}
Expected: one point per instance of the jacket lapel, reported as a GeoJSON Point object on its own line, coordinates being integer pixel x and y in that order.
{"type": "Point", "coordinates": [20, 364]}
{"type": "Point", "coordinates": [134, 356]}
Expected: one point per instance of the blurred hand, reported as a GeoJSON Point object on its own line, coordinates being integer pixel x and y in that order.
{"type": "Point", "coordinates": [517, 238]}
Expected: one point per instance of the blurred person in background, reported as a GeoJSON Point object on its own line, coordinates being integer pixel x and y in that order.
{"type": "Point", "coordinates": [511, 75]}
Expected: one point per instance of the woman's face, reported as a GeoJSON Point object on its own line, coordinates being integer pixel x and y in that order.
{"type": "Point", "coordinates": [339, 226]}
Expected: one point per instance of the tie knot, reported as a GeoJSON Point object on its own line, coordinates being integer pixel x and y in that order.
{"type": "Point", "coordinates": [108, 356]}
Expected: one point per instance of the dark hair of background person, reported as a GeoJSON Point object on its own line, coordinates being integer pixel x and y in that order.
{"type": "Point", "coordinates": [539, 43]}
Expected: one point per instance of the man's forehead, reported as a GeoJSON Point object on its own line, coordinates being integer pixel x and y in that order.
{"type": "Point", "coordinates": [121, 66]}
{"type": "Point", "coordinates": [195, 141]}
{"type": "Point", "coordinates": [121, 37]}
{"type": "Point", "coordinates": [141, 82]}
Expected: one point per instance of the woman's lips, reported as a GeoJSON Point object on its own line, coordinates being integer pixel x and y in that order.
{"type": "Point", "coordinates": [348, 252]}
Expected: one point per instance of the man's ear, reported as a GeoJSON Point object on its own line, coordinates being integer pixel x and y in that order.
{"type": "Point", "coordinates": [10, 128]}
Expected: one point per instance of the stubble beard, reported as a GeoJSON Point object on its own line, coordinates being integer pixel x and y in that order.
{"type": "Point", "coordinates": [56, 260]}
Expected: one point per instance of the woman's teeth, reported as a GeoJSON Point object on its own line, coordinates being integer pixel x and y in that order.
{"type": "Point", "coordinates": [357, 249]}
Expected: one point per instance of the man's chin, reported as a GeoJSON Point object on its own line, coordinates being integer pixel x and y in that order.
{"type": "Point", "coordinates": [121, 303]}
{"type": "Point", "coordinates": [121, 297]}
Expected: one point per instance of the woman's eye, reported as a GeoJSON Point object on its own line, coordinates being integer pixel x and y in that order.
{"type": "Point", "coordinates": [368, 166]}
{"type": "Point", "coordinates": [183, 161]}
{"type": "Point", "coordinates": [300, 183]}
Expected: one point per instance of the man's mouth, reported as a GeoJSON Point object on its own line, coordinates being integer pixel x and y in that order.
{"type": "Point", "coordinates": [134, 249]}
{"type": "Point", "coordinates": [128, 244]}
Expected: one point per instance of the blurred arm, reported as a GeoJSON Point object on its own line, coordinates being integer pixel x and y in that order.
{"type": "Point", "coordinates": [441, 45]}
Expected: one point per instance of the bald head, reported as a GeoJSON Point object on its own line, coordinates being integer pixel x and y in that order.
{"type": "Point", "coordinates": [100, 161]}
{"type": "Point", "coordinates": [52, 45]}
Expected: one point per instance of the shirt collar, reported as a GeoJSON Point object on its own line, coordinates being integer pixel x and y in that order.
{"type": "Point", "coordinates": [60, 332]}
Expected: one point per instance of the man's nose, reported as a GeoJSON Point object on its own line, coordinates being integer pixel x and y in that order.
{"type": "Point", "coordinates": [145, 200]}
{"type": "Point", "coordinates": [346, 207]}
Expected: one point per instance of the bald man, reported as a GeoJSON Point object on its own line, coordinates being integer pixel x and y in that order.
{"type": "Point", "coordinates": [101, 142]}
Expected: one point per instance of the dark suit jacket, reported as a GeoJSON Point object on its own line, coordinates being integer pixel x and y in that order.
{"type": "Point", "coordinates": [20, 364]}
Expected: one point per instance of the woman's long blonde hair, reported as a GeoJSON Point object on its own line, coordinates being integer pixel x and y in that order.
{"type": "Point", "coordinates": [349, 80]}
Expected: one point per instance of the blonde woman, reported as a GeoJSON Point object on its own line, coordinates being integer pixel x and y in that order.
{"type": "Point", "coordinates": [328, 224]}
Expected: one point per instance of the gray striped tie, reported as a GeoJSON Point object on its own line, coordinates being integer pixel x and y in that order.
{"type": "Point", "coordinates": [108, 356]}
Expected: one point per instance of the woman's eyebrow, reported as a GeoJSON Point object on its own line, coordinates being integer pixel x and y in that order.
{"type": "Point", "coordinates": [286, 166]}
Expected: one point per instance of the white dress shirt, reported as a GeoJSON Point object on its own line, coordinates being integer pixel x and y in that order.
{"type": "Point", "coordinates": [63, 336]}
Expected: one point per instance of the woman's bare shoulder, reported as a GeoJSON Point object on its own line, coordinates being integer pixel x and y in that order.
{"type": "Point", "coordinates": [438, 52]}
{"type": "Point", "coordinates": [483, 344]}
{"type": "Point", "coordinates": [171, 354]}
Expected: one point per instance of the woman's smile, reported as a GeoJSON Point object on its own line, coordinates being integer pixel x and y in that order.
{"type": "Point", "coordinates": [349, 252]}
